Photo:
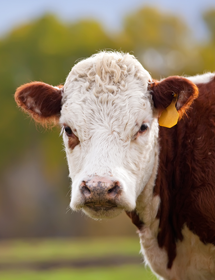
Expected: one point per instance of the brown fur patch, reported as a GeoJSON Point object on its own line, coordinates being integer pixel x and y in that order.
{"type": "Point", "coordinates": [163, 93]}
{"type": "Point", "coordinates": [41, 101]}
{"type": "Point", "coordinates": [73, 141]}
{"type": "Point", "coordinates": [135, 219]}
{"type": "Point", "coordinates": [186, 177]}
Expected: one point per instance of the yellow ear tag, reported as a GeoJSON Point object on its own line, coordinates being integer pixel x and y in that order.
{"type": "Point", "coordinates": [169, 117]}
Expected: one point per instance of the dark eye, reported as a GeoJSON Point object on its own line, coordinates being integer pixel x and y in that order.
{"type": "Point", "coordinates": [68, 130]}
{"type": "Point", "coordinates": [143, 128]}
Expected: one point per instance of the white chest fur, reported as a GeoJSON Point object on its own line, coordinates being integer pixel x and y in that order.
{"type": "Point", "coordinates": [194, 260]}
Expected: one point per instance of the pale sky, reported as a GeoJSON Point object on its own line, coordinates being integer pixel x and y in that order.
{"type": "Point", "coordinates": [110, 13]}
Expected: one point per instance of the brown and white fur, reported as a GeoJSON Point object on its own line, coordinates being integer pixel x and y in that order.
{"type": "Point", "coordinates": [120, 158]}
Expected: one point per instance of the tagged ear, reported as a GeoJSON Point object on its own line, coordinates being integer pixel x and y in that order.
{"type": "Point", "coordinates": [172, 97]}
{"type": "Point", "coordinates": [41, 101]}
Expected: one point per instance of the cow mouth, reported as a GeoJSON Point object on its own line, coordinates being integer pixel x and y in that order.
{"type": "Point", "coordinates": [102, 210]}
{"type": "Point", "coordinates": [101, 206]}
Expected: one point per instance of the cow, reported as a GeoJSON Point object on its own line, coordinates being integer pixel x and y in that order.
{"type": "Point", "coordinates": [143, 146]}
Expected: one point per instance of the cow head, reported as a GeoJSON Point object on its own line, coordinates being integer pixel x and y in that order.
{"type": "Point", "coordinates": [108, 110]}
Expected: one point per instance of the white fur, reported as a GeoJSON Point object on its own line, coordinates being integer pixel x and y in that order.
{"type": "Point", "coordinates": [194, 260]}
{"type": "Point", "coordinates": [202, 79]}
{"type": "Point", "coordinates": [105, 102]}
{"type": "Point", "coordinates": [147, 207]}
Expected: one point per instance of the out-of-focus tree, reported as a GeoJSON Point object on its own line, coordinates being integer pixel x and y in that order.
{"type": "Point", "coordinates": [209, 18]}
{"type": "Point", "coordinates": [150, 27]}
{"type": "Point", "coordinates": [161, 41]}
{"type": "Point", "coordinates": [44, 50]}
{"type": "Point", "coordinates": [207, 51]}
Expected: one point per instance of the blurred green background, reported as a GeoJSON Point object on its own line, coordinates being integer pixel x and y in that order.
{"type": "Point", "coordinates": [38, 231]}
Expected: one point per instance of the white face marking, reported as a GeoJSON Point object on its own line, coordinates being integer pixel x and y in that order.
{"type": "Point", "coordinates": [105, 103]}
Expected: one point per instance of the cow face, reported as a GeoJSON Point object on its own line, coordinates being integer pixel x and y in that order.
{"type": "Point", "coordinates": [109, 133]}
{"type": "Point", "coordinates": [109, 109]}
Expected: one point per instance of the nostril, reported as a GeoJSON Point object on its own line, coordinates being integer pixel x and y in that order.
{"type": "Point", "coordinates": [85, 191]}
{"type": "Point", "coordinates": [114, 190]}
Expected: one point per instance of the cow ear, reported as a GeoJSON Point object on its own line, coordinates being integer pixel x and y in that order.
{"type": "Point", "coordinates": [41, 101]}
{"type": "Point", "coordinates": [172, 97]}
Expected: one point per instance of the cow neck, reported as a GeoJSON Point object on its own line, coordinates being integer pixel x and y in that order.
{"type": "Point", "coordinates": [153, 204]}
{"type": "Point", "coordinates": [164, 188]}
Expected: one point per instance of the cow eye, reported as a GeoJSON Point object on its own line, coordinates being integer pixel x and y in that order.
{"type": "Point", "coordinates": [143, 128]}
{"type": "Point", "coordinates": [68, 131]}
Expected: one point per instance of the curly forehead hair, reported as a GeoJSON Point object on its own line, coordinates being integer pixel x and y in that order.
{"type": "Point", "coordinates": [108, 72]}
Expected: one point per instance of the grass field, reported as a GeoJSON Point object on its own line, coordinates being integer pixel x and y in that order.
{"type": "Point", "coordinates": [17, 258]}
{"type": "Point", "coordinates": [115, 273]}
